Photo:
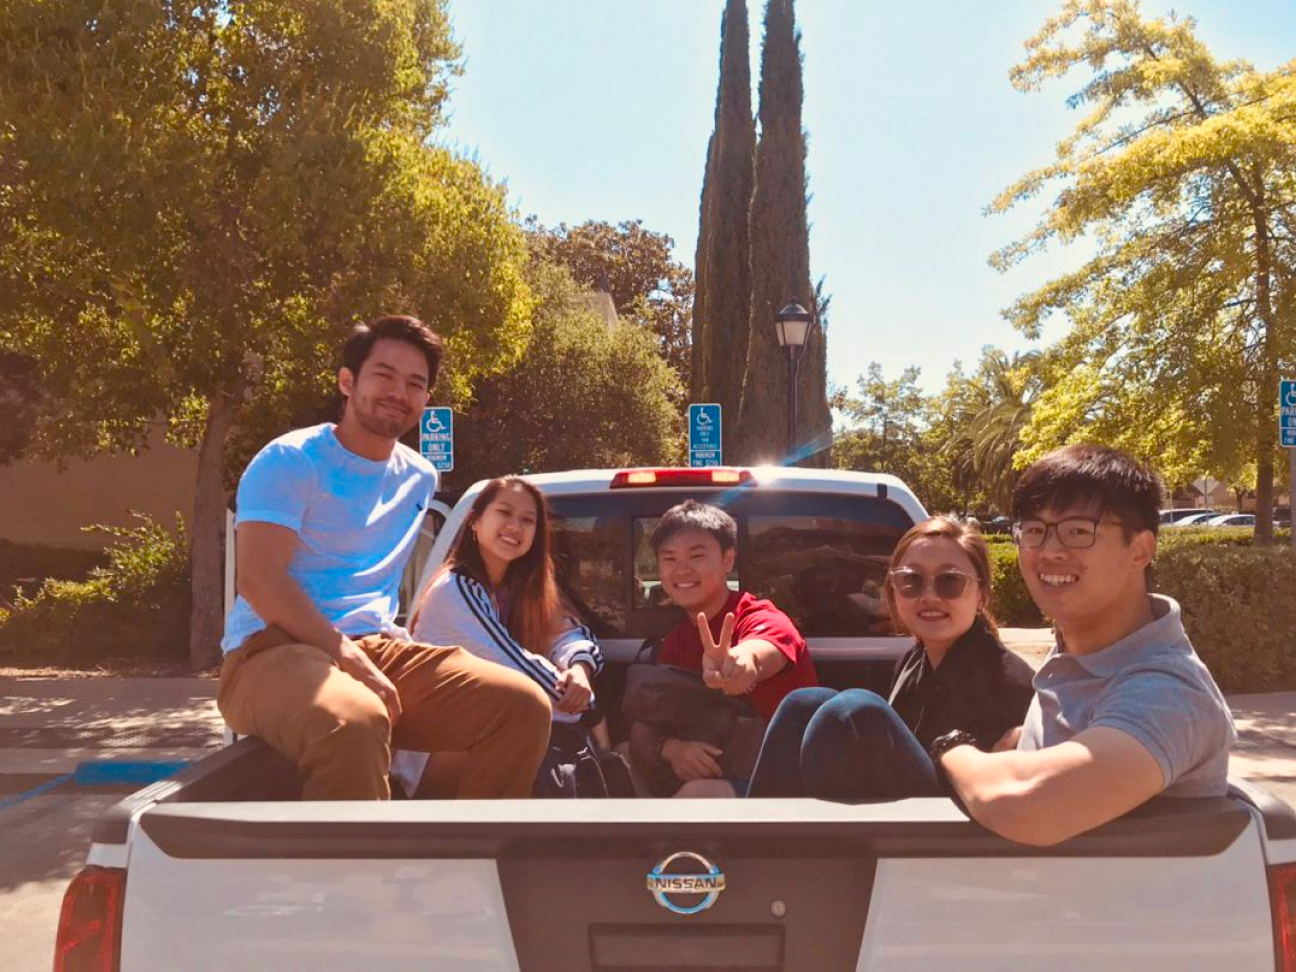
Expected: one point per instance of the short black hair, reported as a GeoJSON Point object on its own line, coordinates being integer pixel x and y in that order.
{"type": "Point", "coordinates": [692, 515]}
{"type": "Point", "coordinates": [396, 327]}
{"type": "Point", "coordinates": [1092, 475]}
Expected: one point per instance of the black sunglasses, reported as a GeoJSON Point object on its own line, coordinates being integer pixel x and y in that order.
{"type": "Point", "coordinates": [948, 584]}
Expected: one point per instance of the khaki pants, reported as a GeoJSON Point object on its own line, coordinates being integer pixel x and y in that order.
{"type": "Point", "coordinates": [338, 732]}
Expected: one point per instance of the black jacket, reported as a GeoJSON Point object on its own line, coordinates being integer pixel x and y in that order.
{"type": "Point", "coordinates": [980, 687]}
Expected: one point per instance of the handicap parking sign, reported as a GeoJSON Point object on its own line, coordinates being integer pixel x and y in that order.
{"type": "Point", "coordinates": [704, 435]}
{"type": "Point", "coordinates": [1287, 412]}
{"type": "Point", "coordinates": [436, 437]}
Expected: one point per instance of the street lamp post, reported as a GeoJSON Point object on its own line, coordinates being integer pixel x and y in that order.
{"type": "Point", "coordinates": [792, 324]}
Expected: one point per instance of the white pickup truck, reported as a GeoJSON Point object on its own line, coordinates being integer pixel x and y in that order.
{"type": "Point", "coordinates": [222, 868]}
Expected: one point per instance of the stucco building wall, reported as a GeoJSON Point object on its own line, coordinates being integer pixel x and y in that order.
{"type": "Point", "coordinates": [39, 503]}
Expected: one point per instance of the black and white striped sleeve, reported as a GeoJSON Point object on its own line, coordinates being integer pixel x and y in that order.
{"type": "Point", "coordinates": [494, 642]}
{"type": "Point", "coordinates": [575, 644]}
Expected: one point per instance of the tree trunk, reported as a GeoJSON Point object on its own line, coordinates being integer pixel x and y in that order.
{"type": "Point", "coordinates": [1267, 433]}
{"type": "Point", "coordinates": [207, 530]}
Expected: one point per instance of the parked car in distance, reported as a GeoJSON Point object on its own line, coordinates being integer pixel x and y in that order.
{"type": "Point", "coordinates": [1181, 513]}
{"type": "Point", "coordinates": [1196, 519]}
{"type": "Point", "coordinates": [1000, 524]}
{"type": "Point", "coordinates": [1231, 520]}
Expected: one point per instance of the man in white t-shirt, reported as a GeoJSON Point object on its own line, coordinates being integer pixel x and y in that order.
{"type": "Point", "coordinates": [315, 663]}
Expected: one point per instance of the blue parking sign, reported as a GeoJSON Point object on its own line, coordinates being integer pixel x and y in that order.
{"type": "Point", "coordinates": [436, 437]}
{"type": "Point", "coordinates": [704, 435]}
{"type": "Point", "coordinates": [1287, 412]}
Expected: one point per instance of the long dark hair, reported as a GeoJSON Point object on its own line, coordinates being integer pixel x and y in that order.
{"type": "Point", "coordinates": [529, 587]}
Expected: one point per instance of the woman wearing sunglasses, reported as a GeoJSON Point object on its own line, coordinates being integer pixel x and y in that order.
{"type": "Point", "coordinates": [957, 680]}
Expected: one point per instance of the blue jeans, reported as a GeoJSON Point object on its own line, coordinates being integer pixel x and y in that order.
{"type": "Point", "coordinates": [845, 746]}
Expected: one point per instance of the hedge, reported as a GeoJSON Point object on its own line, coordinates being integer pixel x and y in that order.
{"type": "Point", "coordinates": [136, 605]}
{"type": "Point", "coordinates": [1239, 611]}
{"type": "Point", "coordinates": [30, 564]}
{"type": "Point", "coordinates": [1011, 602]}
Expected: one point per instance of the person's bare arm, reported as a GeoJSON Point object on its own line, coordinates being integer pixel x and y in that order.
{"type": "Point", "coordinates": [263, 552]}
{"type": "Point", "coordinates": [643, 743]}
{"type": "Point", "coordinates": [766, 658]}
{"type": "Point", "coordinates": [1045, 796]}
{"type": "Point", "coordinates": [688, 760]}
{"type": "Point", "coordinates": [736, 669]}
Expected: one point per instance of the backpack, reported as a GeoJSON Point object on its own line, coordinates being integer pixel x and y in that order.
{"type": "Point", "coordinates": [676, 702]}
{"type": "Point", "coordinates": [574, 768]}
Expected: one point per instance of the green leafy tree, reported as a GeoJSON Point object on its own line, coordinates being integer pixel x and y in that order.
{"type": "Point", "coordinates": [889, 428]}
{"type": "Point", "coordinates": [1183, 175]}
{"type": "Point", "coordinates": [198, 199]}
{"type": "Point", "coordinates": [886, 419]}
{"type": "Point", "coordinates": [582, 395]}
{"type": "Point", "coordinates": [722, 309]}
{"type": "Point", "coordinates": [634, 265]}
{"type": "Point", "coordinates": [780, 261]}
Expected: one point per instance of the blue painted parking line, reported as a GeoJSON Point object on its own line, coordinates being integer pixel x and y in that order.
{"type": "Point", "coordinates": [111, 772]}
{"type": "Point", "coordinates": [102, 772]}
{"type": "Point", "coordinates": [35, 791]}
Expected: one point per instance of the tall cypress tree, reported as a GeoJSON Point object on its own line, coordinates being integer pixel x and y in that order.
{"type": "Point", "coordinates": [699, 383]}
{"type": "Point", "coordinates": [723, 288]}
{"type": "Point", "coordinates": [780, 259]}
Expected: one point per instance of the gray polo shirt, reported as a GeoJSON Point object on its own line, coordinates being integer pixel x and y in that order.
{"type": "Point", "coordinates": [1150, 685]}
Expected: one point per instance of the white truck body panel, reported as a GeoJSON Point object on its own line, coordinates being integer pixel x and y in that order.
{"type": "Point", "coordinates": [1114, 914]}
{"type": "Point", "coordinates": [979, 912]}
{"type": "Point", "coordinates": [310, 915]}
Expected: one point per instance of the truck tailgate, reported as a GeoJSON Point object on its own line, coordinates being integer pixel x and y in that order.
{"type": "Point", "coordinates": [540, 886]}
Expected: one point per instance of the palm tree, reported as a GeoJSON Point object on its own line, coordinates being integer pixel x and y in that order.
{"type": "Point", "coordinates": [990, 411]}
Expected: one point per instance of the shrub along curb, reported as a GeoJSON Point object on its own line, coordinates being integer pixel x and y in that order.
{"type": "Point", "coordinates": [24, 561]}
{"type": "Point", "coordinates": [135, 606]}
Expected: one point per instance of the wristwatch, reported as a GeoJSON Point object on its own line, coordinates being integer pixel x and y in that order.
{"type": "Point", "coordinates": [658, 743]}
{"type": "Point", "coordinates": [943, 744]}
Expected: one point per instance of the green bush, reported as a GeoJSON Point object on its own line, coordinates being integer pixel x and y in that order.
{"type": "Point", "coordinates": [1238, 610]}
{"type": "Point", "coordinates": [1011, 602]}
{"type": "Point", "coordinates": [134, 606]}
{"type": "Point", "coordinates": [31, 564]}
{"type": "Point", "coordinates": [1177, 537]}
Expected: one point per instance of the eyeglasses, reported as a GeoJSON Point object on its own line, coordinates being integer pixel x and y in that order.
{"type": "Point", "coordinates": [948, 584]}
{"type": "Point", "coordinates": [1076, 532]}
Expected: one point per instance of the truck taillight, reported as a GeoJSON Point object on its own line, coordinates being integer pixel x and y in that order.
{"type": "Point", "coordinates": [89, 929]}
{"type": "Point", "coordinates": [701, 476]}
{"type": "Point", "coordinates": [1282, 894]}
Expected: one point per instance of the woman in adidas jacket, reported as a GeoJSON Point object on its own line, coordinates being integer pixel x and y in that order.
{"type": "Point", "coordinates": [497, 597]}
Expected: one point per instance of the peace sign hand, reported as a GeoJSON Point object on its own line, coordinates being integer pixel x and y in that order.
{"type": "Point", "coordinates": [715, 655]}
{"type": "Point", "coordinates": [732, 672]}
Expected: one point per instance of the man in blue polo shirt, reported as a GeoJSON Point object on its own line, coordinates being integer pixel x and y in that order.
{"type": "Point", "coordinates": [1124, 709]}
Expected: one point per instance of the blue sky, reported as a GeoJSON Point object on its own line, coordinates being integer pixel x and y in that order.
{"type": "Point", "coordinates": [601, 109]}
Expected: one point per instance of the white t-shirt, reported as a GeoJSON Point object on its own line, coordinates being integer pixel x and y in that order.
{"type": "Point", "coordinates": [356, 519]}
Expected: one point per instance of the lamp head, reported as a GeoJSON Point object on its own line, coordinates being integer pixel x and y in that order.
{"type": "Point", "coordinates": [792, 324]}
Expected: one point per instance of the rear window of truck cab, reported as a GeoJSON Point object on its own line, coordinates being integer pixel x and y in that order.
{"type": "Point", "coordinates": [821, 558]}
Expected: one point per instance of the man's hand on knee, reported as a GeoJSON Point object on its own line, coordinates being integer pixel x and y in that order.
{"type": "Point", "coordinates": [352, 660]}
